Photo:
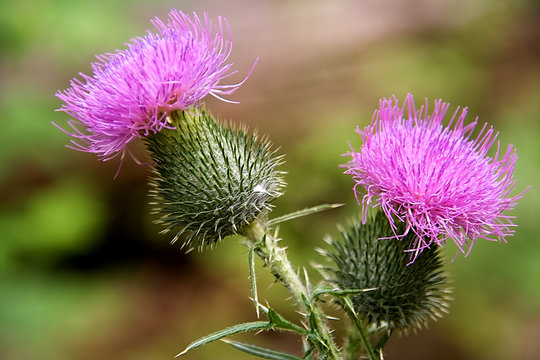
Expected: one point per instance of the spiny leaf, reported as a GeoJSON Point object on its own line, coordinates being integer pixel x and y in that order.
{"type": "Point", "coordinates": [260, 351]}
{"type": "Point", "coordinates": [251, 326]}
{"type": "Point", "coordinates": [303, 212]}
{"type": "Point", "coordinates": [337, 293]}
{"type": "Point", "coordinates": [280, 322]}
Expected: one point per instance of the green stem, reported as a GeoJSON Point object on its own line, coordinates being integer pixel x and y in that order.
{"type": "Point", "coordinates": [363, 334]}
{"type": "Point", "coordinates": [276, 258]}
{"type": "Point", "coordinates": [367, 343]}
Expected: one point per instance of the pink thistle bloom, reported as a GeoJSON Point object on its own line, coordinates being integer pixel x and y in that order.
{"type": "Point", "coordinates": [437, 179]}
{"type": "Point", "coordinates": [131, 91]}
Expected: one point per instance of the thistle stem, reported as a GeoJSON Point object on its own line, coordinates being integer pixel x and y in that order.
{"type": "Point", "coordinates": [275, 257]}
{"type": "Point", "coordinates": [367, 343]}
{"type": "Point", "coordinates": [363, 334]}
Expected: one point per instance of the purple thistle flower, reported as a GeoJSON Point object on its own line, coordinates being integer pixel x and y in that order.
{"type": "Point", "coordinates": [437, 179]}
{"type": "Point", "coordinates": [132, 91]}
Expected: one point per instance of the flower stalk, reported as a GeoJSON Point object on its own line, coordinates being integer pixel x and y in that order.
{"type": "Point", "coordinates": [267, 248]}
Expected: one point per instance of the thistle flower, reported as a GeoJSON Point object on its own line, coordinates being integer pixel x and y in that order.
{"type": "Point", "coordinates": [131, 91]}
{"type": "Point", "coordinates": [398, 297]}
{"type": "Point", "coordinates": [210, 180]}
{"type": "Point", "coordinates": [437, 179]}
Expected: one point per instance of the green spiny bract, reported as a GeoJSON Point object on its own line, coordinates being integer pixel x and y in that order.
{"type": "Point", "coordinates": [405, 295]}
{"type": "Point", "coordinates": [210, 180]}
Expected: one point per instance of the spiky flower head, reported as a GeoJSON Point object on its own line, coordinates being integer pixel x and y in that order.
{"type": "Point", "coordinates": [398, 297]}
{"type": "Point", "coordinates": [437, 179]}
{"type": "Point", "coordinates": [210, 180]}
{"type": "Point", "coordinates": [131, 91]}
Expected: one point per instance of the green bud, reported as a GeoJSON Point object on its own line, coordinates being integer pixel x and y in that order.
{"type": "Point", "coordinates": [405, 295]}
{"type": "Point", "coordinates": [210, 180]}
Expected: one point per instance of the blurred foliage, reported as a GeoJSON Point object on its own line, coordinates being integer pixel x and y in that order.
{"type": "Point", "coordinates": [83, 272]}
{"type": "Point", "coordinates": [57, 220]}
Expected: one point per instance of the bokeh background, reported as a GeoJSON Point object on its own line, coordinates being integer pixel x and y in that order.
{"type": "Point", "coordinates": [84, 273]}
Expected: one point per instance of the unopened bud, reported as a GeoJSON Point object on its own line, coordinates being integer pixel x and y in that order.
{"type": "Point", "coordinates": [404, 295]}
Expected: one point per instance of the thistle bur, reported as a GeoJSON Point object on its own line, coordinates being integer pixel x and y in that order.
{"type": "Point", "coordinates": [210, 180]}
{"type": "Point", "coordinates": [401, 297]}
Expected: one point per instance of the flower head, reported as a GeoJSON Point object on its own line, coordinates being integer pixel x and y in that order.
{"type": "Point", "coordinates": [437, 179]}
{"type": "Point", "coordinates": [132, 91]}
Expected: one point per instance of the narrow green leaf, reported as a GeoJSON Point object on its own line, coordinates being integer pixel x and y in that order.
{"type": "Point", "coordinates": [253, 279]}
{"type": "Point", "coordinates": [278, 321]}
{"type": "Point", "coordinates": [260, 351]}
{"type": "Point", "coordinates": [304, 212]}
{"type": "Point", "coordinates": [349, 307]}
{"type": "Point", "coordinates": [256, 325]}
{"type": "Point", "coordinates": [338, 293]}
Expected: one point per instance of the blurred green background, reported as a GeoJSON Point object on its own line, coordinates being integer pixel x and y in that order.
{"type": "Point", "coordinates": [83, 271]}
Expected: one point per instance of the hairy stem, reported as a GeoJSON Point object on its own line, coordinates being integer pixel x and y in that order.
{"type": "Point", "coordinates": [275, 257]}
